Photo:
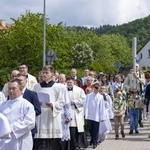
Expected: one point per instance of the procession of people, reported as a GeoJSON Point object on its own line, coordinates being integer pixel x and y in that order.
{"type": "Point", "coordinates": [59, 111]}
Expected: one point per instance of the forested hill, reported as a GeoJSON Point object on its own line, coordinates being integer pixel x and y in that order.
{"type": "Point", "coordinates": [139, 28]}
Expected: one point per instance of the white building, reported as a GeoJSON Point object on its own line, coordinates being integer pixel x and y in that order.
{"type": "Point", "coordinates": [143, 55]}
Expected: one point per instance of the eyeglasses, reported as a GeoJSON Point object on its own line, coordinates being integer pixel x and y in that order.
{"type": "Point", "coordinates": [22, 67]}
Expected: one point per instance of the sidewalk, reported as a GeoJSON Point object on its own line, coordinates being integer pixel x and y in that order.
{"type": "Point", "coordinates": [130, 142]}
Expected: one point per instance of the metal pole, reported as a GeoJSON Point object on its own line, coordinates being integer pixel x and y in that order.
{"type": "Point", "coordinates": [134, 43]}
{"type": "Point", "coordinates": [44, 34]}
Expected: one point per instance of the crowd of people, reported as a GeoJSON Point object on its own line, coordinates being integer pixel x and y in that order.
{"type": "Point", "coordinates": [59, 111]}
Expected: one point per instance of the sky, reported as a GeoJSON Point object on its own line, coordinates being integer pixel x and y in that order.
{"type": "Point", "coordinates": [89, 13]}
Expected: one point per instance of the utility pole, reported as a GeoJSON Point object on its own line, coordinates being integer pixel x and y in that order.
{"type": "Point", "coordinates": [44, 33]}
{"type": "Point", "coordinates": [134, 43]}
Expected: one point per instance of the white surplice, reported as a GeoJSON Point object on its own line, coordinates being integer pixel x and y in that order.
{"type": "Point", "coordinates": [105, 126]}
{"type": "Point", "coordinates": [110, 110]}
{"type": "Point", "coordinates": [4, 131]}
{"type": "Point", "coordinates": [21, 116]}
{"type": "Point", "coordinates": [95, 107]}
{"type": "Point", "coordinates": [49, 122]}
{"type": "Point", "coordinates": [77, 110]}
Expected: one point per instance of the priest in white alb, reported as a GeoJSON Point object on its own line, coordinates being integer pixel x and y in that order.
{"type": "Point", "coordinates": [21, 117]}
{"type": "Point", "coordinates": [77, 100]}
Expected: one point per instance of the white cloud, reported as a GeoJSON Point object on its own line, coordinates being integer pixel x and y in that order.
{"type": "Point", "coordinates": [79, 12]}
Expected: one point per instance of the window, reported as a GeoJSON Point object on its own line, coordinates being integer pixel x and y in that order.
{"type": "Point", "coordinates": [142, 55]}
{"type": "Point", "coordinates": [149, 53]}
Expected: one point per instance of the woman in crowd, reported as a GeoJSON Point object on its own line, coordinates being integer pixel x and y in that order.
{"type": "Point", "coordinates": [111, 79]}
{"type": "Point", "coordinates": [109, 90]}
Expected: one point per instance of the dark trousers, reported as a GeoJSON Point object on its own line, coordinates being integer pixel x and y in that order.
{"type": "Point", "coordinates": [93, 129]}
{"type": "Point", "coordinates": [47, 144]}
{"type": "Point", "coordinates": [75, 138]}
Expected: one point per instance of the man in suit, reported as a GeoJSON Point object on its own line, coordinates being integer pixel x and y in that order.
{"type": "Point", "coordinates": [31, 80]}
{"type": "Point", "coordinates": [74, 74]}
{"type": "Point", "coordinates": [31, 96]}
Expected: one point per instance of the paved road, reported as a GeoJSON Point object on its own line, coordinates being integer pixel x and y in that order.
{"type": "Point", "coordinates": [130, 142]}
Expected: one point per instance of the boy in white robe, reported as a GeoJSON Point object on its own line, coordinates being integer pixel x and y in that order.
{"type": "Point", "coordinates": [4, 131]}
{"type": "Point", "coordinates": [109, 115]}
{"type": "Point", "coordinates": [94, 113]}
{"type": "Point", "coordinates": [21, 116]}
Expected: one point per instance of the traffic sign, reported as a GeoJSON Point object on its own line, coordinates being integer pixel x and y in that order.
{"type": "Point", "coordinates": [117, 64]}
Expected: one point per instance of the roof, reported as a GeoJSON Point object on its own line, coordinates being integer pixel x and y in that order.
{"type": "Point", "coordinates": [143, 46]}
{"type": "Point", "coordinates": [4, 25]}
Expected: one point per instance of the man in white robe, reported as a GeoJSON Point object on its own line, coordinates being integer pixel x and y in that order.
{"type": "Point", "coordinates": [49, 122]}
{"type": "Point", "coordinates": [4, 131]}
{"type": "Point", "coordinates": [21, 116]}
{"type": "Point", "coordinates": [77, 99]}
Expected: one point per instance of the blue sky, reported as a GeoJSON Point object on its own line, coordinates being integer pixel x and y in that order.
{"type": "Point", "coordinates": [79, 12]}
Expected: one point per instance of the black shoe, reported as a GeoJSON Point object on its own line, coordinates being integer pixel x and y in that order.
{"type": "Point", "coordinates": [117, 137]}
{"type": "Point", "coordinates": [99, 142]}
{"type": "Point", "coordinates": [131, 132]}
{"type": "Point", "coordinates": [123, 135]}
{"type": "Point", "coordinates": [94, 146]}
{"type": "Point", "coordinates": [137, 132]}
{"type": "Point", "coordinates": [77, 148]}
{"type": "Point", "coordinates": [141, 124]}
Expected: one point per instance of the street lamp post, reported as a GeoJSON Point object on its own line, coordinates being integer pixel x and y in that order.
{"type": "Point", "coordinates": [44, 34]}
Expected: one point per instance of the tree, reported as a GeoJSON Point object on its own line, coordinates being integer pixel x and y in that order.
{"type": "Point", "coordinates": [24, 42]}
{"type": "Point", "coordinates": [111, 48]}
{"type": "Point", "coordinates": [82, 55]}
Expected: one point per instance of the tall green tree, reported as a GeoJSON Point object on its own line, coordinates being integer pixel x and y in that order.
{"type": "Point", "coordinates": [111, 48]}
{"type": "Point", "coordinates": [24, 42]}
